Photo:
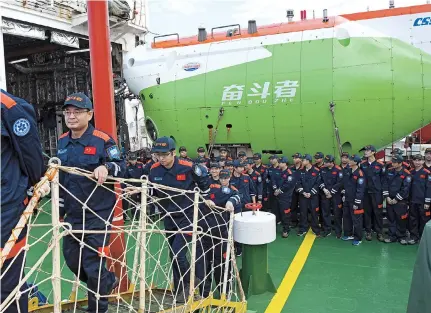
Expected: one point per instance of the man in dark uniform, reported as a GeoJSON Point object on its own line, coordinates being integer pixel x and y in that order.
{"type": "Point", "coordinates": [284, 193]}
{"type": "Point", "coordinates": [136, 170]}
{"type": "Point", "coordinates": [201, 157]}
{"type": "Point", "coordinates": [374, 171]}
{"type": "Point", "coordinates": [262, 170]}
{"type": "Point", "coordinates": [21, 167]}
{"type": "Point", "coordinates": [318, 157]}
{"type": "Point", "coordinates": [221, 194]}
{"type": "Point", "coordinates": [215, 172]}
{"type": "Point", "coordinates": [396, 189]}
{"type": "Point", "coordinates": [354, 186]}
{"type": "Point", "coordinates": [330, 197]}
{"type": "Point", "coordinates": [420, 199]}
{"type": "Point", "coordinates": [242, 156]}
{"type": "Point", "coordinates": [173, 172]}
{"type": "Point", "coordinates": [183, 154]}
{"type": "Point", "coordinates": [395, 152]}
{"type": "Point", "coordinates": [427, 164]}
{"type": "Point", "coordinates": [255, 178]}
{"type": "Point", "coordinates": [295, 168]}
{"type": "Point", "coordinates": [93, 150]}
{"type": "Point", "coordinates": [272, 178]}
{"type": "Point", "coordinates": [308, 189]}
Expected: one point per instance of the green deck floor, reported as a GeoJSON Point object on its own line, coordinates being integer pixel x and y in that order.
{"type": "Point", "coordinates": [337, 277]}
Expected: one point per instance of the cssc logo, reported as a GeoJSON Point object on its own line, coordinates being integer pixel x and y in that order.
{"type": "Point", "coordinates": [422, 21]}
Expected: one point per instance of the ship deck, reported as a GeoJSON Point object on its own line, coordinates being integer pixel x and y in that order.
{"type": "Point", "coordinates": [318, 275]}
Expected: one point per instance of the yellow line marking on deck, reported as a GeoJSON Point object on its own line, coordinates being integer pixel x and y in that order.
{"type": "Point", "coordinates": [278, 301]}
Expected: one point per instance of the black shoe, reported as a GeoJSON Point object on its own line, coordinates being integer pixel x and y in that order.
{"type": "Point", "coordinates": [285, 234]}
{"type": "Point", "coordinates": [380, 238]}
{"type": "Point", "coordinates": [301, 233]}
{"type": "Point", "coordinates": [368, 236]}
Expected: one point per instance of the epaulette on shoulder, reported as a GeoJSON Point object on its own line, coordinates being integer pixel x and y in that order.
{"type": "Point", "coordinates": [64, 135]}
{"type": "Point", "coordinates": [338, 167]}
{"type": "Point", "coordinates": [427, 171]}
{"type": "Point", "coordinates": [185, 163]}
{"type": "Point", "coordinates": [218, 186]}
{"type": "Point", "coordinates": [363, 161]}
{"type": "Point", "coordinates": [361, 173]}
{"type": "Point", "coordinates": [245, 174]}
{"type": "Point", "coordinates": [157, 164]}
{"type": "Point", "coordinates": [317, 169]}
{"type": "Point", "coordinates": [407, 172]}
{"type": "Point", "coordinates": [101, 135]}
{"type": "Point", "coordinates": [233, 188]}
{"type": "Point", "coordinates": [7, 101]}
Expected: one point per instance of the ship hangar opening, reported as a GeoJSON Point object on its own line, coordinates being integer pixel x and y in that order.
{"type": "Point", "coordinates": [44, 65]}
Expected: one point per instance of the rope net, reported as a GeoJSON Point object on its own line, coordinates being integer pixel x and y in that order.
{"type": "Point", "coordinates": [159, 261]}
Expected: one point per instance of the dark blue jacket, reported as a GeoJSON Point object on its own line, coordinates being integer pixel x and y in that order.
{"type": "Point", "coordinates": [22, 163]}
{"type": "Point", "coordinates": [309, 181]}
{"type": "Point", "coordinates": [288, 184]}
{"type": "Point", "coordinates": [374, 174]}
{"type": "Point", "coordinates": [182, 175]}
{"type": "Point", "coordinates": [354, 183]}
{"type": "Point", "coordinates": [93, 149]}
{"type": "Point", "coordinates": [245, 187]}
{"type": "Point", "coordinates": [332, 178]}
{"type": "Point", "coordinates": [135, 171]}
{"type": "Point", "coordinates": [396, 184]}
{"type": "Point", "coordinates": [420, 192]}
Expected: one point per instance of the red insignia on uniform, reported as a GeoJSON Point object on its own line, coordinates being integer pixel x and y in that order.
{"type": "Point", "coordinates": [377, 167]}
{"type": "Point", "coordinates": [245, 180]}
{"type": "Point", "coordinates": [181, 177]}
{"type": "Point", "coordinates": [313, 174]}
{"type": "Point", "coordinates": [90, 150]}
{"type": "Point", "coordinates": [422, 176]}
{"type": "Point", "coordinates": [254, 178]}
{"type": "Point", "coordinates": [334, 173]}
{"type": "Point", "coordinates": [139, 166]}
{"type": "Point", "coordinates": [212, 196]}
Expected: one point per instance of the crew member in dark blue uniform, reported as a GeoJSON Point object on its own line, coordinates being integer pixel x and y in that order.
{"type": "Point", "coordinates": [90, 149]}
{"type": "Point", "coordinates": [272, 180]}
{"type": "Point", "coordinates": [374, 171]}
{"type": "Point", "coordinates": [216, 223]}
{"type": "Point", "coordinates": [21, 167]}
{"type": "Point", "coordinates": [136, 170]}
{"type": "Point", "coordinates": [284, 193]}
{"type": "Point", "coordinates": [201, 156]}
{"type": "Point", "coordinates": [295, 168]}
{"type": "Point", "coordinates": [262, 170]}
{"type": "Point", "coordinates": [420, 199]}
{"type": "Point", "coordinates": [174, 172]}
{"type": "Point", "coordinates": [308, 188]}
{"type": "Point", "coordinates": [215, 172]}
{"type": "Point", "coordinates": [354, 183]}
{"type": "Point", "coordinates": [330, 197]}
{"type": "Point", "coordinates": [256, 179]}
{"type": "Point", "coordinates": [183, 154]}
{"type": "Point", "coordinates": [396, 189]}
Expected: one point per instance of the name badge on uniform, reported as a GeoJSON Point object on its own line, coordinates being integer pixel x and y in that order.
{"type": "Point", "coordinates": [225, 190]}
{"type": "Point", "coordinates": [181, 177]}
{"type": "Point", "coordinates": [90, 150]}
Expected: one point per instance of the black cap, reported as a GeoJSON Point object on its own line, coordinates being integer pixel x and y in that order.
{"type": "Point", "coordinates": [297, 155]}
{"type": "Point", "coordinates": [132, 156]}
{"type": "Point", "coordinates": [163, 144]}
{"type": "Point", "coordinates": [182, 148]}
{"type": "Point", "coordinates": [78, 100]}
{"type": "Point", "coordinates": [242, 154]}
{"type": "Point", "coordinates": [201, 160]}
{"type": "Point", "coordinates": [201, 149]}
{"type": "Point", "coordinates": [273, 157]}
{"type": "Point", "coordinates": [356, 158]}
{"type": "Point", "coordinates": [397, 159]}
{"type": "Point", "coordinates": [418, 157]}
{"type": "Point", "coordinates": [238, 163]}
{"type": "Point", "coordinates": [250, 161]}
{"type": "Point", "coordinates": [222, 149]}
{"type": "Point", "coordinates": [369, 147]}
{"type": "Point", "coordinates": [283, 159]}
{"type": "Point", "coordinates": [345, 154]}
{"type": "Point", "coordinates": [228, 163]}
{"type": "Point", "coordinates": [215, 164]}
{"type": "Point", "coordinates": [307, 157]}
{"type": "Point", "coordinates": [318, 155]}
{"type": "Point", "coordinates": [257, 156]}
{"type": "Point", "coordinates": [329, 158]}
{"type": "Point", "coordinates": [224, 174]}
{"type": "Point", "coordinates": [428, 150]}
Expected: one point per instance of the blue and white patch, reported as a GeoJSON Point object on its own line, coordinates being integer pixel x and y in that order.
{"type": "Point", "coordinates": [429, 178]}
{"type": "Point", "coordinates": [409, 179]}
{"type": "Point", "coordinates": [198, 170]}
{"type": "Point", "coordinates": [290, 178]}
{"type": "Point", "coordinates": [113, 153]}
{"type": "Point", "coordinates": [158, 178]}
{"type": "Point", "coordinates": [21, 127]}
{"type": "Point", "coordinates": [61, 151]}
{"type": "Point", "coordinates": [340, 175]}
{"type": "Point", "coordinates": [360, 181]}
{"type": "Point", "coordinates": [383, 169]}
{"type": "Point", "coordinates": [225, 190]}
{"type": "Point", "coordinates": [259, 179]}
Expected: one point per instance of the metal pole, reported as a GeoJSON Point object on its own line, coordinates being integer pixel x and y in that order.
{"type": "Point", "coordinates": [2, 59]}
{"type": "Point", "coordinates": [101, 66]}
{"type": "Point", "coordinates": [194, 239]}
{"type": "Point", "coordinates": [55, 215]}
{"type": "Point", "coordinates": [142, 244]}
